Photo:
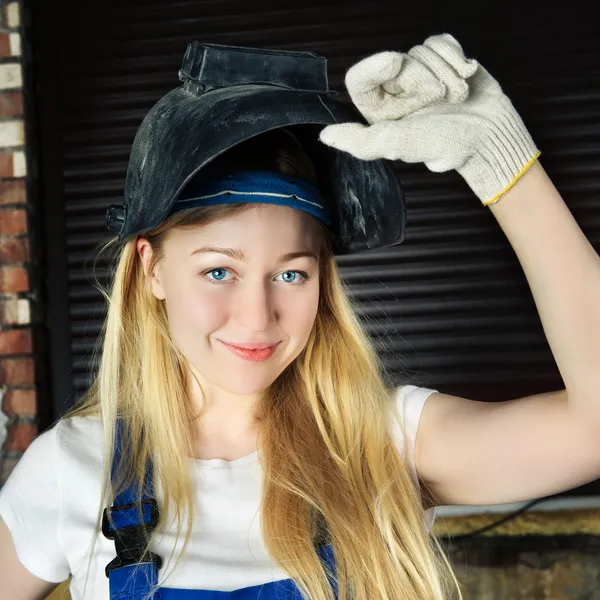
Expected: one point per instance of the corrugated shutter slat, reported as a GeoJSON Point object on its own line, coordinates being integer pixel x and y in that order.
{"type": "Point", "coordinates": [451, 306]}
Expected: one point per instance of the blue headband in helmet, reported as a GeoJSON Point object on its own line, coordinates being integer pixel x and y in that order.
{"type": "Point", "coordinates": [266, 187]}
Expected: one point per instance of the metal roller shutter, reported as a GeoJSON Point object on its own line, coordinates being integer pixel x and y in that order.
{"type": "Point", "coordinates": [450, 308]}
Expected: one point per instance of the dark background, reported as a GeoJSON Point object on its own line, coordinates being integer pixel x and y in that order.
{"type": "Point", "coordinates": [450, 308]}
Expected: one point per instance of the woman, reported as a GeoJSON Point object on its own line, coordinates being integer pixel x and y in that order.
{"type": "Point", "coordinates": [291, 467]}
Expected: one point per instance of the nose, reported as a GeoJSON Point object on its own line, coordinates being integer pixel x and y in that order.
{"type": "Point", "coordinates": [255, 309]}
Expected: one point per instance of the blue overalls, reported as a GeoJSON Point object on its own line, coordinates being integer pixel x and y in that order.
{"type": "Point", "coordinates": [132, 575]}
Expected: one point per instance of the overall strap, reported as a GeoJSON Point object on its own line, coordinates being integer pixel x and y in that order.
{"type": "Point", "coordinates": [132, 574]}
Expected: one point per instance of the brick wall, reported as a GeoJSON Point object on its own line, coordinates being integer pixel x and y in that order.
{"type": "Point", "coordinates": [18, 414]}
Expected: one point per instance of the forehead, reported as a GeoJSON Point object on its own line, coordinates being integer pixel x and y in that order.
{"type": "Point", "coordinates": [262, 227]}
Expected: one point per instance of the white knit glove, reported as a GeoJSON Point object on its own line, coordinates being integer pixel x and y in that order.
{"type": "Point", "coordinates": [433, 105]}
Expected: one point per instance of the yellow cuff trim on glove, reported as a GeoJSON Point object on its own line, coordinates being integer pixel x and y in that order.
{"type": "Point", "coordinates": [521, 173]}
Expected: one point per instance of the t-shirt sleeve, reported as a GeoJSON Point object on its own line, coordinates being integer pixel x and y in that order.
{"type": "Point", "coordinates": [31, 505]}
{"type": "Point", "coordinates": [409, 404]}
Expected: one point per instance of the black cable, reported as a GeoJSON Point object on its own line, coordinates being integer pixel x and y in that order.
{"type": "Point", "coordinates": [505, 519]}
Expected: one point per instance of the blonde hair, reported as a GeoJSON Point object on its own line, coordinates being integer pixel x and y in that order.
{"type": "Point", "coordinates": [329, 457]}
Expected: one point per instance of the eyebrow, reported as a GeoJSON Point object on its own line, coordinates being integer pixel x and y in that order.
{"type": "Point", "coordinates": [239, 255]}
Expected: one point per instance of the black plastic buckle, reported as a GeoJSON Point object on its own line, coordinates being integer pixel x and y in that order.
{"type": "Point", "coordinates": [109, 533]}
{"type": "Point", "coordinates": [130, 541]}
{"type": "Point", "coordinates": [118, 562]}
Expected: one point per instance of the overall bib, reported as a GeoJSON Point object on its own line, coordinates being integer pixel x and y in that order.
{"type": "Point", "coordinates": [131, 575]}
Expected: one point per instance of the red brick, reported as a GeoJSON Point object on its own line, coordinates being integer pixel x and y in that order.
{"type": "Point", "coordinates": [12, 191]}
{"type": "Point", "coordinates": [7, 168]}
{"type": "Point", "coordinates": [13, 279]}
{"type": "Point", "coordinates": [4, 45]}
{"type": "Point", "coordinates": [19, 403]}
{"type": "Point", "coordinates": [13, 221]}
{"type": "Point", "coordinates": [15, 341]}
{"type": "Point", "coordinates": [11, 104]}
{"type": "Point", "coordinates": [14, 250]}
{"type": "Point", "coordinates": [20, 436]}
{"type": "Point", "coordinates": [16, 371]}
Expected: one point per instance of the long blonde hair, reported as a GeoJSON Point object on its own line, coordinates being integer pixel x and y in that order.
{"type": "Point", "coordinates": [329, 458]}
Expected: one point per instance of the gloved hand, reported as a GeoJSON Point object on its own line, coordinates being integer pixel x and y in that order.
{"type": "Point", "coordinates": [433, 105]}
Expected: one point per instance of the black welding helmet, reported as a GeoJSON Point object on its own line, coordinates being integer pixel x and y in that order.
{"type": "Point", "coordinates": [231, 94]}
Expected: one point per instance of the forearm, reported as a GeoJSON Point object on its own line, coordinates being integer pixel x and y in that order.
{"type": "Point", "coordinates": [563, 271]}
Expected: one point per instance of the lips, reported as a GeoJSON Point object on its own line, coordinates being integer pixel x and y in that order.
{"type": "Point", "coordinates": [252, 352]}
{"type": "Point", "coordinates": [251, 346]}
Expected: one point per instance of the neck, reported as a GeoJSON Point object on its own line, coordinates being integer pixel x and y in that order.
{"type": "Point", "coordinates": [226, 426]}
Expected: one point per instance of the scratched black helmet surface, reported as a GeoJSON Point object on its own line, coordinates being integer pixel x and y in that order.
{"type": "Point", "coordinates": [231, 94]}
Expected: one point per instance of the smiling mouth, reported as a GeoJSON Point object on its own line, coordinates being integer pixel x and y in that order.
{"type": "Point", "coordinates": [256, 352]}
{"type": "Point", "coordinates": [251, 346]}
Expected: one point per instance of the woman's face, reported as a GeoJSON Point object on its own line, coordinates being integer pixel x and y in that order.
{"type": "Point", "coordinates": [252, 278]}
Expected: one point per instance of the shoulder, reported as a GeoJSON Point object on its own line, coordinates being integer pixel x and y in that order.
{"type": "Point", "coordinates": [405, 409]}
{"type": "Point", "coordinates": [407, 406]}
{"type": "Point", "coordinates": [80, 443]}
{"type": "Point", "coordinates": [78, 433]}
{"type": "Point", "coordinates": [407, 402]}
{"type": "Point", "coordinates": [37, 499]}
{"type": "Point", "coordinates": [69, 442]}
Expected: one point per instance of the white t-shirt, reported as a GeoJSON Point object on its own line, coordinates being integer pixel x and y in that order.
{"type": "Point", "coordinates": [51, 498]}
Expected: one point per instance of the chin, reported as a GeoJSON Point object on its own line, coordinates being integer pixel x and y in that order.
{"type": "Point", "coordinates": [245, 381]}
{"type": "Point", "coordinates": [243, 387]}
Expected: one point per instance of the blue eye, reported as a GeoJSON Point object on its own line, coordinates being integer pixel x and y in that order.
{"type": "Point", "coordinates": [219, 270]}
{"type": "Point", "coordinates": [295, 273]}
